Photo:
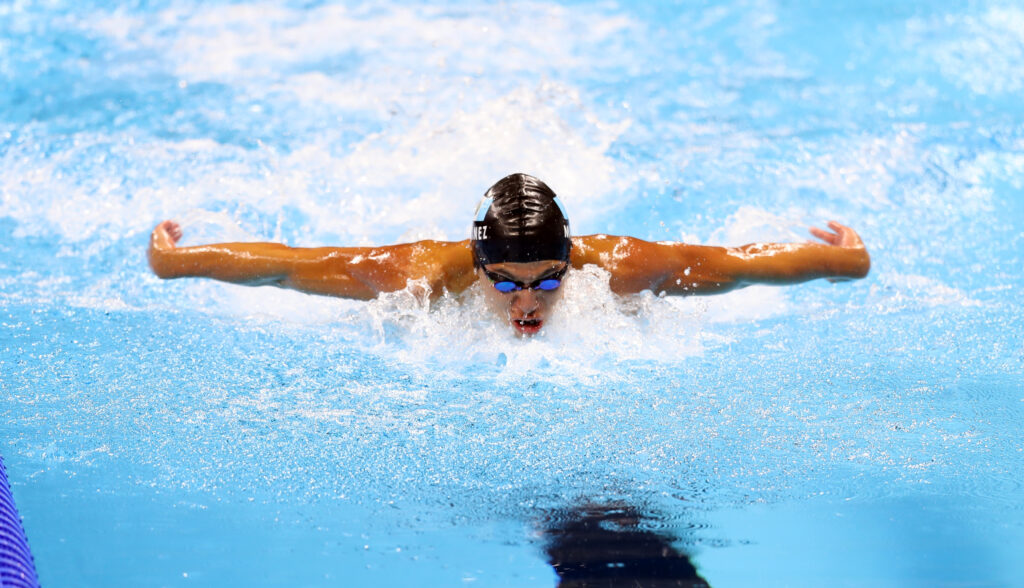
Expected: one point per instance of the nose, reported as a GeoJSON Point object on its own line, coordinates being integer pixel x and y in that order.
{"type": "Point", "coordinates": [526, 301]}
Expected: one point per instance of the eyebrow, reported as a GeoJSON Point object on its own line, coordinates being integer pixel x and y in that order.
{"type": "Point", "coordinates": [553, 272]}
{"type": "Point", "coordinates": [500, 274]}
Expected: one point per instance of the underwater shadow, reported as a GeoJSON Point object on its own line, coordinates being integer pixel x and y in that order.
{"type": "Point", "coordinates": [607, 545]}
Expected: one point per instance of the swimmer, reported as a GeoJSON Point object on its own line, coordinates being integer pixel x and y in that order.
{"type": "Point", "coordinates": [520, 252]}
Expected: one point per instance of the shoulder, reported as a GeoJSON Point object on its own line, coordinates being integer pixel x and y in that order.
{"type": "Point", "coordinates": [404, 256]}
{"type": "Point", "coordinates": [603, 249]}
{"type": "Point", "coordinates": [607, 250]}
{"type": "Point", "coordinates": [449, 255]}
{"type": "Point", "coordinates": [626, 259]}
{"type": "Point", "coordinates": [635, 264]}
{"type": "Point", "coordinates": [445, 264]}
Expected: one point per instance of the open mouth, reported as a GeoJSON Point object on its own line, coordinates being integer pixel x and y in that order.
{"type": "Point", "coordinates": [527, 326]}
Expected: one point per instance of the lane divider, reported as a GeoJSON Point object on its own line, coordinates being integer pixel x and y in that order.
{"type": "Point", "coordinates": [17, 568]}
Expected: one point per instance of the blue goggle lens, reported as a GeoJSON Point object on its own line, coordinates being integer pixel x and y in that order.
{"type": "Point", "coordinates": [506, 286]}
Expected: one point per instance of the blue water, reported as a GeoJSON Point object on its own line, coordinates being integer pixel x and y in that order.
{"type": "Point", "coordinates": [175, 433]}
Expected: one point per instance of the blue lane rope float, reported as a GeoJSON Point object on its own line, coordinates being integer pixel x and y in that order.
{"type": "Point", "coordinates": [17, 568]}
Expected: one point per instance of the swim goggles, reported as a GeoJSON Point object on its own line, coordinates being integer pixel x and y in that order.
{"type": "Point", "coordinates": [549, 282]}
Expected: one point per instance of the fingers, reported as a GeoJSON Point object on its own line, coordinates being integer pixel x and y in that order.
{"type": "Point", "coordinates": [843, 236]}
{"type": "Point", "coordinates": [825, 236]}
{"type": "Point", "coordinates": [172, 229]}
{"type": "Point", "coordinates": [166, 234]}
{"type": "Point", "coordinates": [847, 236]}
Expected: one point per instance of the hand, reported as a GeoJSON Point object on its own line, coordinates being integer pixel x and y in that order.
{"type": "Point", "coordinates": [843, 236]}
{"type": "Point", "coordinates": [165, 236]}
{"type": "Point", "coordinates": [161, 243]}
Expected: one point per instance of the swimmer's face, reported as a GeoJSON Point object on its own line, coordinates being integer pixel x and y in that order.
{"type": "Point", "coordinates": [526, 309]}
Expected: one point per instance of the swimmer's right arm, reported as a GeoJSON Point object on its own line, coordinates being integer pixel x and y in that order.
{"type": "Point", "coordinates": [347, 272]}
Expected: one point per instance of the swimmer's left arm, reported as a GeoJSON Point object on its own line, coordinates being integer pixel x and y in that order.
{"type": "Point", "coordinates": [681, 269]}
{"type": "Point", "coordinates": [841, 257]}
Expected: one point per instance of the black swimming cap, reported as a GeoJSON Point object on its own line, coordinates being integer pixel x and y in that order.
{"type": "Point", "coordinates": [520, 219]}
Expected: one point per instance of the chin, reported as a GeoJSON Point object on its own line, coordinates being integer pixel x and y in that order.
{"type": "Point", "coordinates": [527, 327]}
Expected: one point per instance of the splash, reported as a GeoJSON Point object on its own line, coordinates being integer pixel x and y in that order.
{"type": "Point", "coordinates": [983, 52]}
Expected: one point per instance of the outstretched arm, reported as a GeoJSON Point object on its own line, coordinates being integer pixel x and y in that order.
{"type": "Point", "coordinates": [348, 272]}
{"type": "Point", "coordinates": [681, 269]}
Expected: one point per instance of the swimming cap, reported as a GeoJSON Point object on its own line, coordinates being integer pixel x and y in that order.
{"type": "Point", "coordinates": [520, 219]}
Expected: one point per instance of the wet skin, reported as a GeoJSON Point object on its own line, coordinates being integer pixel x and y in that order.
{"type": "Point", "coordinates": [526, 310]}
{"type": "Point", "coordinates": [440, 267]}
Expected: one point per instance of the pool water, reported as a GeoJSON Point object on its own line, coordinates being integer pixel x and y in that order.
{"type": "Point", "coordinates": [187, 432]}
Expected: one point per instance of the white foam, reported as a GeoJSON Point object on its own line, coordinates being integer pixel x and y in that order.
{"type": "Point", "coordinates": [984, 53]}
{"type": "Point", "coordinates": [430, 176]}
{"type": "Point", "coordinates": [446, 165]}
{"type": "Point", "coordinates": [751, 224]}
{"type": "Point", "coordinates": [859, 169]}
{"type": "Point", "coordinates": [589, 325]}
{"type": "Point", "coordinates": [216, 42]}
{"type": "Point", "coordinates": [444, 136]}
{"type": "Point", "coordinates": [895, 292]}
{"type": "Point", "coordinates": [77, 193]}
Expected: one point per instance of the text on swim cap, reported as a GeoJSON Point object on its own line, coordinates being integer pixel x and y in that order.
{"type": "Point", "coordinates": [480, 232]}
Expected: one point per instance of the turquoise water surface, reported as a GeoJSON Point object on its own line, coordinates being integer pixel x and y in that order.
{"type": "Point", "coordinates": [187, 432]}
